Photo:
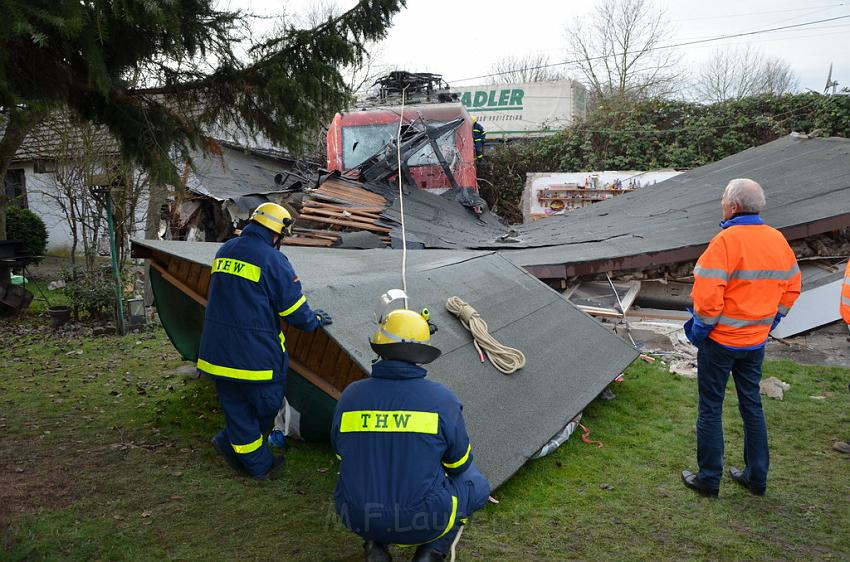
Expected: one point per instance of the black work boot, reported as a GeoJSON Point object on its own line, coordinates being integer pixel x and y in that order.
{"type": "Point", "coordinates": [225, 452]}
{"type": "Point", "coordinates": [426, 554]}
{"type": "Point", "coordinates": [277, 465]}
{"type": "Point", "coordinates": [376, 552]}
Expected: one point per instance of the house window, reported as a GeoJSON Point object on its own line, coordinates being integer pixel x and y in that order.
{"type": "Point", "coordinates": [15, 188]}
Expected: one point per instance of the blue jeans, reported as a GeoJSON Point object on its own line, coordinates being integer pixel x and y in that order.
{"type": "Point", "coordinates": [714, 363]}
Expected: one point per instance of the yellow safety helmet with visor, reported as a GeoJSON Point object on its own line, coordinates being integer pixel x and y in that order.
{"type": "Point", "coordinates": [274, 217]}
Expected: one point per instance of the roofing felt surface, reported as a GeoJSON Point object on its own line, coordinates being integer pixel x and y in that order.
{"type": "Point", "coordinates": [236, 174]}
{"type": "Point", "coordinates": [571, 358]}
{"type": "Point", "coordinates": [805, 181]}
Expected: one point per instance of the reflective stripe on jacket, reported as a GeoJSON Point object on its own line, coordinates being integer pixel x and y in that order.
{"type": "Point", "coordinates": [253, 287]}
{"type": "Point", "coordinates": [478, 138]}
{"type": "Point", "coordinates": [398, 435]}
{"type": "Point", "coordinates": [744, 278]}
{"type": "Point", "coordinates": [845, 296]}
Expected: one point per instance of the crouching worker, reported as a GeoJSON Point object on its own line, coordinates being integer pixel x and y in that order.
{"type": "Point", "coordinates": [406, 474]}
{"type": "Point", "coordinates": [253, 287]}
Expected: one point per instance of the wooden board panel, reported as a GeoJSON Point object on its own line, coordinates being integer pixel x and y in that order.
{"type": "Point", "coordinates": [183, 270]}
{"type": "Point", "coordinates": [340, 371]}
{"type": "Point", "coordinates": [194, 274]}
{"type": "Point", "coordinates": [320, 347]}
{"type": "Point", "coordinates": [326, 368]}
{"type": "Point", "coordinates": [204, 282]}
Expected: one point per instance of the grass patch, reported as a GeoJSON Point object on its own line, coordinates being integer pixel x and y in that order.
{"type": "Point", "coordinates": [104, 454]}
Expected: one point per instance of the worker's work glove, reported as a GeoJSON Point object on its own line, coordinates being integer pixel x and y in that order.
{"type": "Point", "coordinates": [776, 320]}
{"type": "Point", "coordinates": [696, 331]}
{"type": "Point", "coordinates": [323, 317]}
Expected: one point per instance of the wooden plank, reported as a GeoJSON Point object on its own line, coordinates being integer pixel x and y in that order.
{"type": "Point", "coordinates": [172, 265]}
{"type": "Point", "coordinates": [351, 193]}
{"type": "Point", "coordinates": [317, 350]}
{"type": "Point", "coordinates": [183, 270]}
{"type": "Point", "coordinates": [350, 224]}
{"type": "Point", "coordinates": [292, 337]}
{"type": "Point", "coordinates": [312, 242]}
{"type": "Point", "coordinates": [340, 370]}
{"type": "Point", "coordinates": [343, 214]}
{"type": "Point", "coordinates": [376, 209]}
{"type": "Point", "coordinates": [326, 368]}
{"type": "Point", "coordinates": [188, 291]}
{"type": "Point", "coordinates": [204, 281]}
{"type": "Point", "coordinates": [362, 210]}
{"type": "Point", "coordinates": [194, 274]}
{"type": "Point", "coordinates": [355, 373]}
{"type": "Point", "coordinates": [314, 378]}
{"type": "Point", "coordinates": [299, 367]}
{"type": "Point", "coordinates": [658, 314]}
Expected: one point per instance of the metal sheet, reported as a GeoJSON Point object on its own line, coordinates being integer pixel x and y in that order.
{"type": "Point", "coordinates": [817, 304]}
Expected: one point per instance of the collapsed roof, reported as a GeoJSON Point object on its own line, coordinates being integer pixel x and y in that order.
{"type": "Point", "coordinates": [806, 181]}
{"type": "Point", "coordinates": [242, 176]}
{"type": "Point", "coordinates": [570, 357]}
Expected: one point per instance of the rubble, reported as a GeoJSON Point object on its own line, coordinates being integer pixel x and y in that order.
{"type": "Point", "coordinates": [774, 388]}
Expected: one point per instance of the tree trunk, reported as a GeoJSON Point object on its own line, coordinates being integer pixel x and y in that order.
{"type": "Point", "coordinates": [18, 125]}
{"type": "Point", "coordinates": [157, 194]}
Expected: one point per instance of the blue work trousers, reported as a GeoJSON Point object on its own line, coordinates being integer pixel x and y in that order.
{"type": "Point", "coordinates": [472, 490]}
{"type": "Point", "coordinates": [249, 412]}
{"type": "Point", "coordinates": [384, 524]}
{"type": "Point", "coordinates": [714, 363]}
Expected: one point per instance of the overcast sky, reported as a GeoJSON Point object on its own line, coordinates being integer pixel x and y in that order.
{"type": "Point", "coordinates": [462, 39]}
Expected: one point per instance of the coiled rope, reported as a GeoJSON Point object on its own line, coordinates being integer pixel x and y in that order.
{"type": "Point", "coordinates": [506, 359]}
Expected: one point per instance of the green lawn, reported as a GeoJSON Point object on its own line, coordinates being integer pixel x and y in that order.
{"type": "Point", "coordinates": [104, 455]}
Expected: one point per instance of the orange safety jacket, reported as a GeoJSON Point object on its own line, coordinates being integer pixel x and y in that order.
{"type": "Point", "coordinates": [845, 296]}
{"type": "Point", "coordinates": [744, 278]}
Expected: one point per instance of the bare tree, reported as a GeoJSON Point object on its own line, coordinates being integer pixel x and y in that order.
{"type": "Point", "coordinates": [525, 68]}
{"type": "Point", "coordinates": [738, 73]}
{"type": "Point", "coordinates": [619, 50]}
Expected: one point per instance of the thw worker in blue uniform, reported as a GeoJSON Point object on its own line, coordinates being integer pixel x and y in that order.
{"type": "Point", "coordinates": [406, 474]}
{"type": "Point", "coordinates": [243, 350]}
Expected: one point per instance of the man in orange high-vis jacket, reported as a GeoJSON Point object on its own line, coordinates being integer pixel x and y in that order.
{"type": "Point", "coordinates": [744, 283]}
{"type": "Point", "coordinates": [844, 309]}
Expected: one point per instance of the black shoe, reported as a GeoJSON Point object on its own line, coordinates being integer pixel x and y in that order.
{"type": "Point", "coordinates": [693, 482]}
{"type": "Point", "coordinates": [426, 554]}
{"type": "Point", "coordinates": [376, 552]}
{"type": "Point", "coordinates": [738, 476]}
{"type": "Point", "coordinates": [277, 464]}
{"type": "Point", "coordinates": [229, 457]}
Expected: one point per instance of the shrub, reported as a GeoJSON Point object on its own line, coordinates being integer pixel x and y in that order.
{"type": "Point", "coordinates": [24, 225]}
{"type": "Point", "coordinates": [91, 292]}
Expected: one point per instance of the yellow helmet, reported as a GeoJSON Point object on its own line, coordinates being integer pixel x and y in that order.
{"type": "Point", "coordinates": [475, 119]}
{"type": "Point", "coordinates": [405, 335]}
{"type": "Point", "coordinates": [274, 217]}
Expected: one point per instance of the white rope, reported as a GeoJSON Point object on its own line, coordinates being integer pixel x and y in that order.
{"type": "Point", "coordinates": [453, 551]}
{"type": "Point", "coordinates": [506, 359]}
{"type": "Point", "coordinates": [401, 203]}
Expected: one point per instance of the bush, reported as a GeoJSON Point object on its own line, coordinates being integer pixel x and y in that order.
{"type": "Point", "coordinates": [24, 225]}
{"type": "Point", "coordinates": [91, 292]}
